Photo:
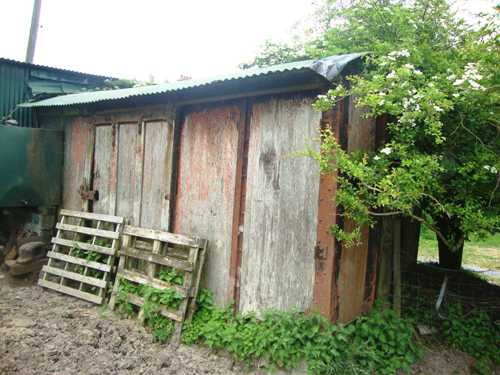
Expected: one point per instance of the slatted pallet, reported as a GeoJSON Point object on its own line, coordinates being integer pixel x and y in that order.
{"type": "Point", "coordinates": [71, 269]}
{"type": "Point", "coordinates": [156, 249]}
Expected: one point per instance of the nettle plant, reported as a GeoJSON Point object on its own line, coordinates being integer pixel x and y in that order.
{"type": "Point", "coordinates": [436, 79]}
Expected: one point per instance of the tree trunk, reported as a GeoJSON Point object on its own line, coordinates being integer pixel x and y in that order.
{"type": "Point", "coordinates": [450, 256]}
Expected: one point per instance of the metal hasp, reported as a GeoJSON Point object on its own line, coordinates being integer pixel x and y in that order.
{"type": "Point", "coordinates": [30, 167]}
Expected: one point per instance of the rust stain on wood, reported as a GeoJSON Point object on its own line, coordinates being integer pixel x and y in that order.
{"type": "Point", "coordinates": [354, 260]}
{"type": "Point", "coordinates": [205, 187]}
{"type": "Point", "coordinates": [325, 288]}
{"type": "Point", "coordinates": [239, 204]}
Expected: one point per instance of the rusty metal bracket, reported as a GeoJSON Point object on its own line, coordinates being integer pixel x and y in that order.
{"type": "Point", "coordinates": [90, 195]}
{"type": "Point", "coordinates": [319, 252]}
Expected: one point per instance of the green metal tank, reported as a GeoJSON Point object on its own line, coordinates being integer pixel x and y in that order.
{"type": "Point", "coordinates": [30, 166]}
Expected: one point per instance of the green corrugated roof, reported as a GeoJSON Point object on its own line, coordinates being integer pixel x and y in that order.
{"type": "Point", "coordinates": [327, 68]}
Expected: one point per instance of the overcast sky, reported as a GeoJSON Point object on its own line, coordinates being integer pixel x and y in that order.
{"type": "Point", "coordinates": [165, 38]}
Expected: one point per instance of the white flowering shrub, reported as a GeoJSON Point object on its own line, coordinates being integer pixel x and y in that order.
{"type": "Point", "coordinates": [437, 80]}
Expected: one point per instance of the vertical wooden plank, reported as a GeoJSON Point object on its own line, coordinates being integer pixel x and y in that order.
{"type": "Point", "coordinates": [78, 153]}
{"type": "Point", "coordinates": [105, 169]}
{"type": "Point", "coordinates": [325, 287]}
{"type": "Point", "coordinates": [129, 172]}
{"type": "Point", "coordinates": [353, 261]}
{"type": "Point", "coordinates": [155, 210]}
{"type": "Point", "coordinates": [239, 204]}
{"type": "Point", "coordinates": [205, 191]}
{"type": "Point", "coordinates": [281, 207]}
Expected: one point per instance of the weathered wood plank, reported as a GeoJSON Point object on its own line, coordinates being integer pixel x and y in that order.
{"type": "Point", "coordinates": [143, 279]}
{"type": "Point", "coordinates": [74, 276]}
{"type": "Point", "coordinates": [138, 301]}
{"type": "Point", "coordinates": [158, 259]}
{"type": "Point", "coordinates": [325, 287]}
{"type": "Point", "coordinates": [205, 190]}
{"type": "Point", "coordinates": [89, 231]}
{"type": "Point", "coordinates": [72, 292]}
{"type": "Point", "coordinates": [353, 261]}
{"type": "Point", "coordinates": [79, 139]}
{"type": "Point", "coordinates": [154, 234]}
{"type": "Point", "coordinates": [129, 172]}
{"type": "Point", "coordinates": [105, 169]}
{"type": "Point", "coordinates": [281, 207]}
{"type": "Point", "coordinates": [158, 140]}
{"type": "Point", "coordinates": [83, 246]}
{"type": "Point", "coordinates": [79, 261]}
{"type": "Point", "coordinates": [92, 216]}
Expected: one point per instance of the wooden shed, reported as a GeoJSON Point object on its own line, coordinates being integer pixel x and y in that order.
{"type": "Point", "coordinates": [216, 158]}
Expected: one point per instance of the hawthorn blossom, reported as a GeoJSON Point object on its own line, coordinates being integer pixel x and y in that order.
{"type": "Point", "coordinates": [386, 150]}
{"type": "Point", "coordinates": [491, 169]}
{"type": "Point", "coordinates": [391, 75]}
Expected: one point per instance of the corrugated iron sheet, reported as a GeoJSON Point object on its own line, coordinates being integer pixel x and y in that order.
{"type": "Point", "coordinates": [13, 91]}
{"type": "Point", "coordinates": [51, 68]}
{"type": "Point", "coordinates": [20, 82]}
{"type": "Point", "coordinates": [327, 68]}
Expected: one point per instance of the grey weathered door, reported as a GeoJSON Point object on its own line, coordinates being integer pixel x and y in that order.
{"type": "Point", "coordinates": [132, 171]}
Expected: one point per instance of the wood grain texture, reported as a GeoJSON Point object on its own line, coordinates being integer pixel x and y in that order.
{"type": "Point", "coordinates": [205, 190]}
{"type": "Point", "coordinates": [353, 260]}
{"type": "Point", "coordinates": [279, 232]}
{"type": "Point", "coordinates": [105, 170]}
{"type": "Point", "coordinates": [79, 138]}
{"type": "Point", "coordinates": [129, 172]}
{"type": "Point", "coordinates": [158, 144]}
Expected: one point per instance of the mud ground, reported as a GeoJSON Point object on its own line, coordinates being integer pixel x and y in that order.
{"type": "Point", "coordinates": [44, 332]}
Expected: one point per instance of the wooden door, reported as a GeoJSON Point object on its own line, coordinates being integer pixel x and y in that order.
{"type": "Point", "coordinates": [132, 171]}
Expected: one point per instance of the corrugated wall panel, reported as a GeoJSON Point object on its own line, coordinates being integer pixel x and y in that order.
{"type": "Point", "coordinates": [279, 232]}
{"type": "Point", "coordinates": [205, 193]}
{"type": "Point", "coordinates": [14, 90]}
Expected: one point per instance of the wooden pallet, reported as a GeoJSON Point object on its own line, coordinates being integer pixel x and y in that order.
{"type": "Point", "coordinates": [144, 252]}
{"type": "Point", "coordinates": [71, 269]}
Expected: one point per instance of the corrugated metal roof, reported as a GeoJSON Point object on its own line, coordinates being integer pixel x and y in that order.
{"type": "Point", "coordinates": [37, 66]}
{"type": "Point", "coordinates": [327, 68]}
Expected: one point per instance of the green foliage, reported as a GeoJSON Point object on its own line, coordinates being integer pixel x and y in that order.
{"type": "Point", "coordinates": [473, 333]}
{"type": "Point", "coordinates": [154, 299]}
{"type": "Point", "coordinates": [436, 78]}
{"type": "Point", "coordinates": [381, 342]}
{"type": "Point", "coordinates": [469, 330]}
{"type": "Point", "coordinates": [162, 328]}
{"type": "Point", "coordinates": [171, 276]}
{"type": "Point", "coordinates": [92, 256]}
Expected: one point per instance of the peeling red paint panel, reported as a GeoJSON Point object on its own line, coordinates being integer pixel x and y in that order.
{"type": "Point", "coordinates": [77, 161]}
{"type": "Point", "coordinates": [205, 187]}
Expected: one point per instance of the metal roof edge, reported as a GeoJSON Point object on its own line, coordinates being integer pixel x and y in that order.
{"type": "Point", "coordinates": [328, 68]}
{"type": "Point", "coordinates": [37, 66]}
